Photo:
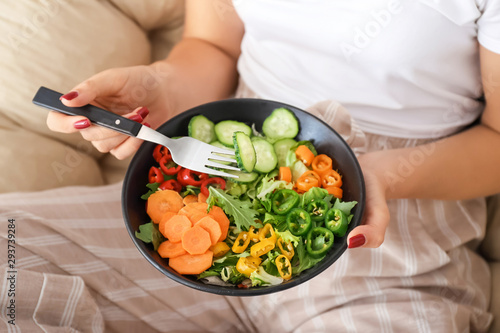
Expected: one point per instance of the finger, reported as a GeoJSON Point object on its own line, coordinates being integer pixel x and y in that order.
{"type": "Point", "coordinates": [59, 122]}
{"type": "Point", "coordinates": [106, 145]}
{"type": "Point", "coordinates": [371, 234]}
{"type": "Point", "coordinates": [98, 133]}
{"type": "Point", "coordinates": [106, 83]}
{"type": "Point", "coordinates": [127, 148]}
{"type": "Point", "coordinates": [376, 219]}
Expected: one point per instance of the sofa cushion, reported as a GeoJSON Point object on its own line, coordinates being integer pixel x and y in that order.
{"type": "Point", "coordinates": [58, 44]}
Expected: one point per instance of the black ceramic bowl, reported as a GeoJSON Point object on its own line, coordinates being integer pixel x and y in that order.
{"type": "Point", "coordinates": [250, 111]}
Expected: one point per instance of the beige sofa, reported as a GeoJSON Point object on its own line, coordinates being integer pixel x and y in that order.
{"type": "Point", "coordinates": [58, 43]}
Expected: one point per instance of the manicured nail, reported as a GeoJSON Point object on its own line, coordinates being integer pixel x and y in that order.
{"type": "Point", "coordinates": [69, 96]}
{"type": "Point", "coordinates": [146, 124]}
{"type": "Point", "coordinates": [136, 117]}
{"type": "Point", "coordinates": [357, 241]}
{"type": "Point", "coordinates": [143, 112]}
{"type": "Point", "coordinates": [82, 124]}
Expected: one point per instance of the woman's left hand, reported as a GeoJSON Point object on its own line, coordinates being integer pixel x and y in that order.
{"type": "Point", "coordinates": [376, 216]}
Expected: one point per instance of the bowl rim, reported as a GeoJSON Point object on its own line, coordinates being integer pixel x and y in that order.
{"type": "Point", "coordinates": [234, 291]}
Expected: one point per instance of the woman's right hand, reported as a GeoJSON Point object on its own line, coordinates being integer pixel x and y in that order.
{"type": "Point", "coordinates": [131, 92]}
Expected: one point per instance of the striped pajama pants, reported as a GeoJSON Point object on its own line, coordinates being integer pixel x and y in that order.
{"type": "Point", "coordinates": [77, 270]}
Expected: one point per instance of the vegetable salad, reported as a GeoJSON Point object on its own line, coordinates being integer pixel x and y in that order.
{"type": "Point", "coordinates": [280, 217]}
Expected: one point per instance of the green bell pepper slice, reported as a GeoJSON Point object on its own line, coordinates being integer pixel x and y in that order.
{"type": "Point", "coordinates": [336, 222]}
{"type": "Point", "coordinates": [284, 201]}
{"type": "Point", "coordinates": [298, 222]}
{"type": "Point", "coordinates": [319, 241]}
{"type": "Point", "coordinates": [317, 210]}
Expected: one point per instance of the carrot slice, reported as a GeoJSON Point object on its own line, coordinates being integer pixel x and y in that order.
{"type": "Point", "coordinates": [175, 227]}
{"type": "Point", "coordinates": [285, 174]}
{"type": "Point", "coordinates": [161, 202]}
{"type": "Point", "coordinates": [194, 211]}
{"type": "Point", "coordinates": [202, 197]}
{"type": "Point", "coordinates": [191, 264]}
{"type": "Point", "coordinates": [169, 249]}
{"type": "Point", "coordinates": [163, 222]}
{"type": "Point", "coordinates": [218, 215]}
{"type": "Point", "coordinates": [212, 227]}
{"type": "Point", "coordinates": [196, 240]}
{"type": "Point", "coordinates": [190, 199]}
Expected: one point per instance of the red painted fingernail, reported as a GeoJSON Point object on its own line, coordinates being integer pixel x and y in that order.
{"type": "Point", "coordinates": [69, 96]}
{"type": "Point", "coordinates": [357, 241]}
{"type": "Point", "coordinates": [143, 112]}
{"type": "Point", "coordinates": [136, 117]}
{"type": "Point", "coordinates": [146, 124]}
{"type": "Point", "coordinates": [82, 124]}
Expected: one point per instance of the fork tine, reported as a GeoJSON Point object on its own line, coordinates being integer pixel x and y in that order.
{"type": "Point", "coordinates": [214, 164]}
{"type": "Point", "coordinates": [220, 173]}
{"type": "Point", "coordinates": [222, 158]}
{"type": "Point", "coordinates": [217, 150]}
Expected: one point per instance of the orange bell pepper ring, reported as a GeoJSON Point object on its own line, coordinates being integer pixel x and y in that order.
{"type": "Point", "coordinates": [335, 191]}
{"type": "Point", "coordinates": [321, 164]}
{"type": "Point", "coordinates": [331, 178]}
{"type": "Point", "coordinates": [285, 174]}
{"type": "Point", "coordinates": [308, 180]}
{"type": "Point", "coordinates": [304, 154]}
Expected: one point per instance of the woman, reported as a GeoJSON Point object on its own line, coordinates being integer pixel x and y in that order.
{"type": "Point", "coordinates": [411, 74]}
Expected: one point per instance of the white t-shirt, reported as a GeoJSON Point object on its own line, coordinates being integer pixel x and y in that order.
{"type": "Point", "coordinates": [402, 68]}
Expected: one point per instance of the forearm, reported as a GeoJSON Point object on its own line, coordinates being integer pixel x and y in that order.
{"type": "Point", "coordinates": [200, 73]}
{"type": "Point", "coordinates": [462, 166]}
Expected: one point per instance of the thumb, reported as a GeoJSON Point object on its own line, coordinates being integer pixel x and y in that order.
{"type": "Point", "coordinates": [375, 221]}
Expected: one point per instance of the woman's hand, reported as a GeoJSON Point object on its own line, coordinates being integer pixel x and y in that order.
{"type": "Point", "coordinates": [201, 68]}
{"type": "Point", "coordinates": [131, 92]}
{"type": "Point", "coordinates": [376, 216]}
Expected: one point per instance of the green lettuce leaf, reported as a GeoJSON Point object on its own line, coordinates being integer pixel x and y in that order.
{"type": "Point", "coordinates": [289, 238]}
{"type": "Point", "coordinates": [302, 260]}
{"type": "Point", "coordinates": [345, 207]}
{"type": "Point", "coordinates": [314, 194]}
{"type": "Point", "coordinates": [149, 233]}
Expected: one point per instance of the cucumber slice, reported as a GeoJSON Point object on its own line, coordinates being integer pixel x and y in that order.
{"type": "Point", "coordinates": [244, 151]}
{"type": "Point", "coordinates": [282, 147]}
{"type": "Point", "coordinates": [280, 124]}
{"type": "Point", "coordinates": [225, 129]}
{"type": "Point", "coordinates": [266, 159]}
{"type": "Point", "coordinates": [243, 177]}
{"type": "Point", "coordinates": [220, 145]}
{"type": "Point", "coordinates": [202, 129]}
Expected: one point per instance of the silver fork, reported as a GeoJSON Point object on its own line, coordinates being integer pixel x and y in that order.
{"type": "Point", "coordinates": [186, 151]}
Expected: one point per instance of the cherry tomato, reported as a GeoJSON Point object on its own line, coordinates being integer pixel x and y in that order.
{"type": "Point", "coordinates": [165, 162]}
{"type": "Point", "coordinates": [214, 180]}
{"type": "Point", "coordinates": [190, 177]}
{"type": "Point", "coordinates": [171, 184]}
{"type": "Point", "coordinates": [155, 175]}
{"type": "Point", "coordinates": [161, 151]}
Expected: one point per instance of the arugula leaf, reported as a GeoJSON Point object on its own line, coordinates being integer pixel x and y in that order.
{"type": "Point", "coordinates": [149, 233]}
{"type": "Point", "coordinates": [153, 187]}
{"type": "Point", "coordinates": [345, 207]}
{"type": "Point", "coordinates": [241, 210]}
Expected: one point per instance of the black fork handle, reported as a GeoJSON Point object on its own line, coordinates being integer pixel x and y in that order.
{"type": "Point", "coordinates": [50, 99]}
